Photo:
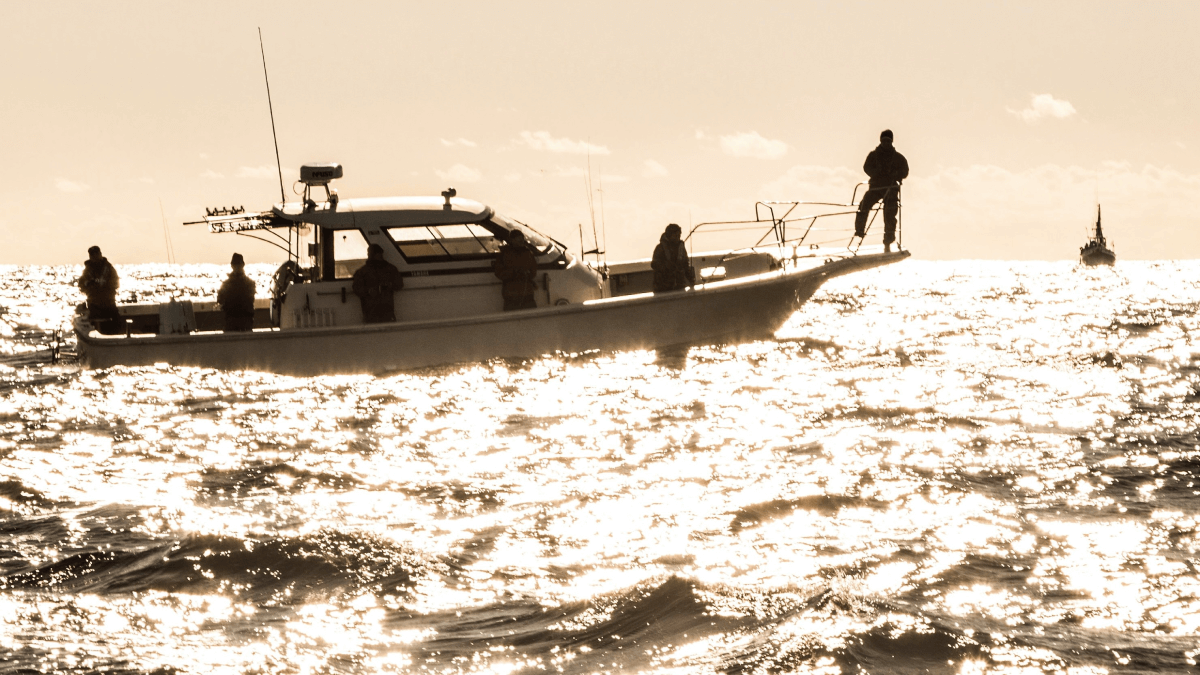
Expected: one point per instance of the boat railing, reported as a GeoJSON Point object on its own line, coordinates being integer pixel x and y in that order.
{"type": "Point", "coordinates": [779, 217]}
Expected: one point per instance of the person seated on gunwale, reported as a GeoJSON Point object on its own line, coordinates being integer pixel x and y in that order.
{"type": "Point", "coordinates": [671, 264]}
{"type": "Point", "coordinates": [375, 284]}
{"type": "Point", "coordinates": [516, 267]}
{"type": "Point", "coordinates": [236, 297]}
{"type": "Point", "coordinates": [99, 282]}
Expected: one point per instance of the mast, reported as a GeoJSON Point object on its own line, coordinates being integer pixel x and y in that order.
{"type": "Point", "coordinates": [1099, 232]}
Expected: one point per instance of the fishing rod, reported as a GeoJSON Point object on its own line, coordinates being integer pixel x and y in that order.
{"type": "Point", "coordinates": [166, 233]}
{"type": "Point", "coordinates": [271, 109]}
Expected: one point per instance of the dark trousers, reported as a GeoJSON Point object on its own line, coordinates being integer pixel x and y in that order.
{"type": "Point", "coordinates": [236, 323]}
{"type": "Point", "coordinates": [106, 318]}
{"type": "Point", "coordinates": [379, 309]}
{"type": "Point", "coordinates": [891, 204]}
{"type": "Point", "coordinates": [520, 302]}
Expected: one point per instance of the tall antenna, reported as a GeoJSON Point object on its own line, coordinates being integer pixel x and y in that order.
{"type": "Point", "coordinates": [603, 224]}
{"type": "Point", "coordinates": [271, 108]}
{"type": "Point", "coordinates": [592, 208]}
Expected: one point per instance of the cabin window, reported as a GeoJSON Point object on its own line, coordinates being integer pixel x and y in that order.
{"type": "Point", "coordinates": [435, 243]}
{"type": "Point", "coordinates": [349, 252]}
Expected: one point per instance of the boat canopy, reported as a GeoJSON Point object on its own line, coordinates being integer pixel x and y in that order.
{"type": "Point", "coordinates": [406, 212]}
{"type": "Point", "coordinates": [426, 218]}
{"type": "Point", "coordinates": [385, 212]}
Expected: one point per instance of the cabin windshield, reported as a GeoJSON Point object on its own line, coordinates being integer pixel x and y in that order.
{"type": "Point", "coordinates": [438, 243]}
{"type": "Point", "coordinates": [535, 238]}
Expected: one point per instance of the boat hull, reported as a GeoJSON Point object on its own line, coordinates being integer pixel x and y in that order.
{"type": "Point", "coordinates": [723, 312]}
{"type": "Point", "coordinates": [1098, 257]}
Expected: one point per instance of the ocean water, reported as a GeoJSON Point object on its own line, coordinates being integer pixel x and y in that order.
{"type": "Point", "coordinates": [945, 467]}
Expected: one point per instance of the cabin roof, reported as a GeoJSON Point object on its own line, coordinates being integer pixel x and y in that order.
{"type": "Point", "coordinates": [387, 212]}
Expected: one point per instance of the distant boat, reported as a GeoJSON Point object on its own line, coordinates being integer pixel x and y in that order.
{"type": "Point", "coordinates": [1096, 251]}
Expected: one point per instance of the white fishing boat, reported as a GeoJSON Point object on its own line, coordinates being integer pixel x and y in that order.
{"type": "Point", "coordinates": [450, 308]}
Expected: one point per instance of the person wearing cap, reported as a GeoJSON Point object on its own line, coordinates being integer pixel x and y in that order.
{"type": "Point", "coordinates": [236, 297]}
{"type": "Point", "coordinates": [516, 267]}
{"type": "Point", "coordinates": [886, 169]}
{"type": "Point", "coordinates": [671, 264]}
{"type": "Point", "coordinates": [375, 284]}
{"type": "Point", "coordinates": [99, 282]}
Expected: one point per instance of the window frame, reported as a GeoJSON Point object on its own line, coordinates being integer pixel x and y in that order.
{"type": "Point", "coordinates": [496, 231]}
{"type": "Point", "coordinates": [346, 262]}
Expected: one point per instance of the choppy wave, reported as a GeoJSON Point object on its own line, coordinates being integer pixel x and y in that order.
{"type": "Point", "coordinates": [935, 467]}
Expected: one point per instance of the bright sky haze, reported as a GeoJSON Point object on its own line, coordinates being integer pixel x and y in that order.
{"type": "Point", "coordinates": [1015, 117]}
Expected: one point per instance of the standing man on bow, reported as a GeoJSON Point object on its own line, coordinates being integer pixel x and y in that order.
{"type": "Point", "coordinates": [886, 169]}
{"type": "Point", "coordinates": [99, 282]}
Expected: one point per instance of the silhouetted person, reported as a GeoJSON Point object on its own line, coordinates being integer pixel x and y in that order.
{"type": "Point", "coordinates": [236, 297]}
{"type": "Point", "coordinates": [886, 169]}
{"type": "Point", "coordinates": [375, 284]}
{"type": "Point", "coordinates": [99, 282]}
{"type": "Point", "coordinates": [516, 266]}
{"type": "Point", "coordinates": [671, 264]}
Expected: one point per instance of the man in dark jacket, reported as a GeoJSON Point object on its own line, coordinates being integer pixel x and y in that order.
{"type": "Point", "coordinates": [99, 282]}
{"type": "Point", "coordinates": [886, 169]}
{"type": "Point", "coordinates": [516, 267]}
{"type": "Point", "coordinates": [236, 297]}
{"type": "Point", "coordinates": [671, 264]}
{"type": "Point", "coordinates": [375, 284]}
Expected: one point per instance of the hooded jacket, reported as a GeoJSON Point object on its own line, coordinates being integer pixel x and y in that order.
{"type": "Point", "coordinates": [672, 266]}
{"type": "Point", "coordinates": [516, 267]}
{"type": "Point", "coordinates": [99, 282]}
{"type": "Point", "coordinates": [236, 295]}
{"type": "Point", "coordinates": [885, 166]}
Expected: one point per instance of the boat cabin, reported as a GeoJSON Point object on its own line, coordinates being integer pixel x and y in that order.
{"type": "Point", "coordinates": [444, 250]}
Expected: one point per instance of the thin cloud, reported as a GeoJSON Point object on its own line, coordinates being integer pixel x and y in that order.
{"type": "Point", "coordinates": [542, 140]}
{"type": "Point", "coordinates": [1043, 106]}
{"type": "Point", "coordinates": [652, 169]}
{"type": "Point", "coordinates": [580, 172]}
{"type": "Point", "coordinates": [209, 173]}
{"type": "Point", "coordinates": [461, 141]}
{"type": "Point", "coordinates": [814, 184]}
{"type": "Point", "coordinates": [752, 144]}
{"type": "Point", "coordinates": [256, 172]}
{"type": "Point", "coordinates": [512, 177]}
{"type": "Point", "coordinates": [460, 174]}
{"type": "Point", "coordinates": [569, 172]}
{"type": "Point", "coordinates": [71, 186]}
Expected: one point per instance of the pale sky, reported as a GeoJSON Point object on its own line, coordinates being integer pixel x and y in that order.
{"type": "Point", "coordinates": [1014, 117]}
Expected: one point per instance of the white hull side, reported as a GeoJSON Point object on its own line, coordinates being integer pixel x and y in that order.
{"type": "Point", "coordinates": [730, 311]}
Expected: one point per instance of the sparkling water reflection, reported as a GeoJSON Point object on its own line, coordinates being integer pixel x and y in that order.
{"type": "Point", "coordinates": [947, 467]}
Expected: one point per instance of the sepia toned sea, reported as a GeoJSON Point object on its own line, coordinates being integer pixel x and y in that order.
{"type": "Point", "coordinates": [934, 467]}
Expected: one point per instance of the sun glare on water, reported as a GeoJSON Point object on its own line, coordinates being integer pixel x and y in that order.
{"type": "Point", "coordinates": [969, 468]}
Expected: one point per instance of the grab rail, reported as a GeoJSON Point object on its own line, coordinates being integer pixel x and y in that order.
{"type": "Point", "coordinates": [779, 225]}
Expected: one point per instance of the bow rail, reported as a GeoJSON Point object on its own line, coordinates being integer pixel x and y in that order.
{"type": "Point", "coordinates": [776, 235]}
